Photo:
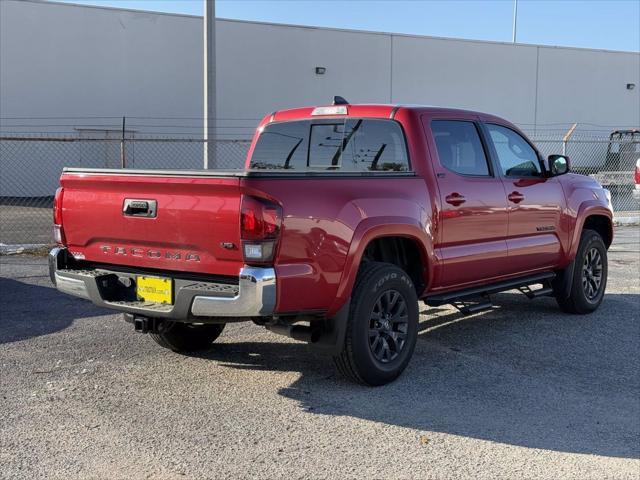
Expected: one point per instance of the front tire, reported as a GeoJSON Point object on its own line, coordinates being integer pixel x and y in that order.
{"type": "Point", "coordinates": [382, 327]}
{"type": "Point", "coordinates": [186, 337]}
{"type": "Point", "coordinates": [589, 279]}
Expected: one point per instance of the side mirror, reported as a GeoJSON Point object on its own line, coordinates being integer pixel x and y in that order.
{"type": "Point", "coordinates": [558, 165]}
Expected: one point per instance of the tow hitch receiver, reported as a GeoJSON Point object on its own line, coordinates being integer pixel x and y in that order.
{"type": "Point", "coordinates": [143, 324]}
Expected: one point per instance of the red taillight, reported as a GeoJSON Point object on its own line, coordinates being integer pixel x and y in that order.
{"type": "Point", "coordinates": [637, 174]}
{"type": "Point", "coordinates": [58, 232]}
{"type": "Point", "coordinates": [261, 220]}
{"type": "Point", "coordinates": [260, 223]}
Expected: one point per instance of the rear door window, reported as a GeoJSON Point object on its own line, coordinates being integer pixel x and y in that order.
{"type": "Point", "coordinates": [459, 147]}
{"type": "Point", "coordinates": [352, 145]}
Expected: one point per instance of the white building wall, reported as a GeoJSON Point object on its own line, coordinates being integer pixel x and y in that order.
{"type": "Point", "coordinates": [60, 60]}
{"type": "Point", "coordinates": [262, 68]}
{"type": "Point", "coordinates": [67, 61]}
{"type": "Point", "coordinates": [588, 86]}
{"type": "Point", "coordinates": [490, 77]}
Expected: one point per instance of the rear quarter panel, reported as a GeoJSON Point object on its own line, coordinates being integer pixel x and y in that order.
{"type": "Point", "coordinates": [326, 220]}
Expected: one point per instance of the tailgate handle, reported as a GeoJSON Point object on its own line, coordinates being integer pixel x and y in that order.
{"type": "Point", "coordinates": [139, 208]}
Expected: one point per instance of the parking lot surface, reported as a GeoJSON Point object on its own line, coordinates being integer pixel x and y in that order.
{"type": "Point", "coordinates": [521, 391]}
{"type": "Point", "coordinates": [25, 224]}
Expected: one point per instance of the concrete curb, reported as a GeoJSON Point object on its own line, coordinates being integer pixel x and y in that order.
{"type": "Point", "coordinates": [626, 221]}
{"type": "Point", "coordinates": [24, 248]}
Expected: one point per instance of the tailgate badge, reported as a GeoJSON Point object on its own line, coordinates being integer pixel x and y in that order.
{"type": "Point", "coordinates": [151, 253]}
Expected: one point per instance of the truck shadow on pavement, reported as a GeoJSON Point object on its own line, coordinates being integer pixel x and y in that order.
{"type": "Point", "coordinates": [523, 374]}
{"type": "Point", "coordinates": [28, 310]}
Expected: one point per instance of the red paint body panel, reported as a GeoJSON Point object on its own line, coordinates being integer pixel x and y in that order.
{"type": "Point", "coordinates": [329, 220]}
{"type": "Point", "coordinates": [194, 216]}
{"type": "Point", "coordinates": [319, 227]}
{"type": "Point", "coordinates": [541, 208]}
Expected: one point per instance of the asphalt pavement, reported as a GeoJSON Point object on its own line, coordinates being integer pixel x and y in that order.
{"type": "Point", "coordinates": [521, 391]}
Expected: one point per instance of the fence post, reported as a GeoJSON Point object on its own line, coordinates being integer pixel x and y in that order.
{"type": "Point", "coordinates": [566, 138]}
{"type": "Point", "coordinates": [123, 160]}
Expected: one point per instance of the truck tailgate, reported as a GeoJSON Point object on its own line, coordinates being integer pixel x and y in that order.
{"type": "Point", "coordinates": [195, 228]}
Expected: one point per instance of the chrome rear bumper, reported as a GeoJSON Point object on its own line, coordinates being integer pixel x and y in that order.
{"type": "Point", "coordinates": [253, 296]}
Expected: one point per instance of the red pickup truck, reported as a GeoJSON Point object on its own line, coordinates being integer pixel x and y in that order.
{"type": "Point", "coordinates": [343, 219]}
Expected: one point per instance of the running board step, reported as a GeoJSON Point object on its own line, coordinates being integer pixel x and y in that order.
{"type": "Point", "coordinates": [467, 308]}
{"type": "Point", "coordinates": [485, 290]}
{"type": "Point", "coordinates": [540, 292]}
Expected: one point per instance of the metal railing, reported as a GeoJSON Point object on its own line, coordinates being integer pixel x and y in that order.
{"type": "Point", "coordinates": [30, 166]}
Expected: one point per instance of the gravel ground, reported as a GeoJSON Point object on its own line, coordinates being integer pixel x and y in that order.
{"type": "Point", "coordinates": [520, 391]}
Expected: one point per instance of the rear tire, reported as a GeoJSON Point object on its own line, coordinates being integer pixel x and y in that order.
{"type": "Point", "coordinates": [589, 279]}
{"type": "Point", "coordinates": [186, 337]}
{"type": "Point", "coordinates": [382, 327]}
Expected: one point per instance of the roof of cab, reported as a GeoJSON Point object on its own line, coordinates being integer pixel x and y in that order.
{"type": "Point", "coordinates": [378, 110]}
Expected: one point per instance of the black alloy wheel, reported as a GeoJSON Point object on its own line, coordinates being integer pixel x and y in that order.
{"type": "Point", "coordinates": [388, 326]}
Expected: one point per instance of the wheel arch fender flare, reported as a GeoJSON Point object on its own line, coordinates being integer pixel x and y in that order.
{"type": "Point", "coordinates": [587, 209]}
{"type": "Point", "coordinates": [378, 227]}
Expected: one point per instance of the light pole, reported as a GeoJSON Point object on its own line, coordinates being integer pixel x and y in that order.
{"type": "Point", "coordinates": [209, 84]}
{"type": "Point", "coordinates": [515, 19]}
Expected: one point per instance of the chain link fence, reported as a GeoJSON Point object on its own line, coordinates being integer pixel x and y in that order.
{"type": "Point", "coordinates": [30, 166]}
{"type": "Point", "coordinates": [610, 160]}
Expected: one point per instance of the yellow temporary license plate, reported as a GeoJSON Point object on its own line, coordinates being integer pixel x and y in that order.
{"type": "Point", "coordinates": [155, 289]}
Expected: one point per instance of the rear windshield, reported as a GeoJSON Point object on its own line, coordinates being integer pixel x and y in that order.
{"type": "Point", "coordinates": [352, 144]}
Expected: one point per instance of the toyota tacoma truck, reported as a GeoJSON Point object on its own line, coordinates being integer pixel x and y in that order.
{"type": "Point", "coordinates": [343, 219]}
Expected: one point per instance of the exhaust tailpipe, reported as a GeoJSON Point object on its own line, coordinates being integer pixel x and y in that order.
{"type": "Point", "coordinates": [302, 333]}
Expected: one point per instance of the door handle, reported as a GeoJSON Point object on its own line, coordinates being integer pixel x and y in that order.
{"type": "Point", "coordinates": [139, 208]}
{"type": "Point", "coordinates": [455, 199]}
{"type": "Point", "coordinates": [515, 197]}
